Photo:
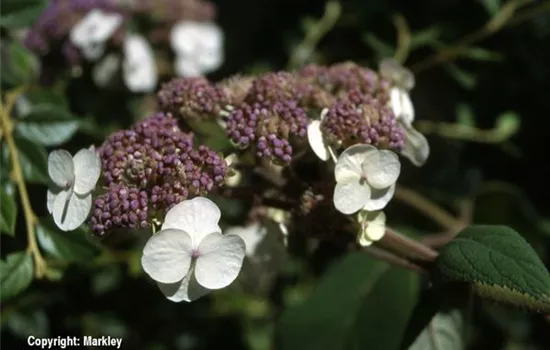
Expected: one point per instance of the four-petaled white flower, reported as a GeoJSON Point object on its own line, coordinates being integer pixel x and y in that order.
{"type": "Point", "coordinates": [190, 256]}
{"type": "Point", "coordinates": [93, 31]}
{"type": "Point", "coordinates": [373, 226]}
{"type": "Point", "coordinates": [416, 147]}
{"type": "Point", "coordinates": [198, 47]}
{"type": "Point", "coordinates": [139, 67]}
{"type": "Point", "coordinates": [317, 141]}
{"type": "Point", "coordinates": [69, 198]}
{"type": "Point", "coordinates": [365, 178]}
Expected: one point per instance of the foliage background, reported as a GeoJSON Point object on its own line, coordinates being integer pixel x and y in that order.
{"type": "Point", "coordinates": [508, 72]}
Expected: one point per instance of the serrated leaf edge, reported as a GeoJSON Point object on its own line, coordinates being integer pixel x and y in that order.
{"type": "Point", "coordinates": [505, 295]}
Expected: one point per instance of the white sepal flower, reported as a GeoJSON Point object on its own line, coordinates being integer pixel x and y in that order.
{"type": "Point", "coordinates": [416, 147]}
{"type": "Point", "coordinates": [373, 226]}
{"type": "Point", "coordinates": [190, 256]}
{"type": "Point", "coordinates": [365, 178]}
{"type": "Point", "coordinates": [93, 31]}
{"type": "Point", "coordinates": [198, 47]}
{"type": "Point", "coordinates": [139, 67]}
{"type": "Point", "coordinates": [69, 198]}
{"type": "Point", "coordinates": [317, 141]}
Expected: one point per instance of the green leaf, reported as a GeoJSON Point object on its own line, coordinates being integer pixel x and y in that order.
{"type": "Point", "coordinates": [40, 96]}
{"type": "Point", "coordinates": [500, 265]}
{"type": "Point", "coordinates": [381, 48]}
{"type": "Point", "coordinates": [425, 37]}
{"type": "Point", "coordinates": [480, 54]}
{"type": "Point", "coordinates": [507, 124]}
{"type": "Point", "coordinates": [20, 13]}
{"type": "Point", "coordinates": [359, 302]}
{"type": "Point", "coordinates": [465, 79]}
{"type": "Point", "coordinates": [19, 65]}
{"type": "Point", "coordinates": [443, 333]}
{"type": "Point", "coordinates": [8, 213]}
{"type": "Point", "coordinates": [48, 125]}
{"type": "Point", "coordinates": [29, 321]}
{"type": "Point", "coordinates": [34, 160]}
{"type": "Point", "coordinates": [71, 246]}
{"type": "Point", "coordinates": [465, 115]}
{"type": "Point", "coordinates": [16, 274]}
{"type": "Point", "coordinates": [492, 6]}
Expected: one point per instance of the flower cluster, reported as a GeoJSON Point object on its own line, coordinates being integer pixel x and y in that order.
{"type": "Point", "coordinates": [190, 98]}
{"type": "Point", "coordinates": [158, 160]}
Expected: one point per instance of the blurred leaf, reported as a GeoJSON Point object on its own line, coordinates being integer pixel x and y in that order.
{"type": "Point", "coordinates": [425, 37]}
{"type": "Point", "coordinates": [381, 48]}
{"type": "Point", "coordinates": [492, 6]}
{"type": "Point", "coordinates": [106, 279]}
{"type": "Point", "coordinates": [19, 65]}
{"type": "Point", "coordinates": [42, 96]}
{"type": "Point", "coordinates": [20, 13]}
{"type": "Point", "coordinates": [8, 214]}
{"type": "Point", "coordinates": [48, 125]}
{"type": "Point", "coordinates": [27, 321]}
{"type": "Point", "coordinates": [16, 274]}
{"type": "Point", "coordinates": [465, 79]}
{"type": "Point", "coordinates": [499, 263]}
{"type": "Point", "coordinates": [68, 246]}
{"type": "Point", "coordinates": [481, 54]}
{"type": "Point", "coordinates": [443, 333]}
{"type": "Point", "coordinates": [34, 160]}
{"type": "Point", "coordinates": [465, 115]}
{"type": "Point", "coordinates": [507, 124]}
{"type": "Point", "coordinates": [359, 302]}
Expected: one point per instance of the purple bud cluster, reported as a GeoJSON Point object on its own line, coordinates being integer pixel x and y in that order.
{"type": "Point", "coordinates": [192, 98]}
{"type": "Point", "coordinates": [351, 123]}
{"type": "Point", "coordinates": [270, 127]}
{"type": "Point", "coordinates": [121, 207]}
{"type": "Point", "coordinates": [48, 35]}
{"type": "Point", "coordinates": [157, 158]}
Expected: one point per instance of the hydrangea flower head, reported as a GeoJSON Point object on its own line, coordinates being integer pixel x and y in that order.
{"type": "Point", "coordinates": [69, 198]}
{"type": "Point", "coordinates": [373, 226]}
{"type": "Point", "coordinates": [190, 256]}
{"type": "Point", "coordinates": [139, 66]}
{"type": "Point", "coordinates": [416, 147]}
{"type": "Point", "coordinates": [198, 47]}
{"type": "Point", "coordinates": [91, 33]}
{"type": "Point", "coordinates": [365, 178]}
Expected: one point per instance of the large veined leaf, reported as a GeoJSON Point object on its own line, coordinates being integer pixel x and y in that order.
{"type": "Point", "coordinates": [69, 246]}
{"type": "Point", "coordinates": [48, 125]}
{"type": "Point", "coordinates": [360, 302]}
{"type": "Point", "coordinates": [16, 274]}
{"type": "Point", "coordinates": [8, 213]}
{"type": "Point", "coordinates": [499, 264]}
{"type": "Point", "coordinates": [444, 332]}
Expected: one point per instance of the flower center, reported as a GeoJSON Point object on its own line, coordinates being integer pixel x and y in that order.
{"type": "Point", "coordinates": [195, 254]}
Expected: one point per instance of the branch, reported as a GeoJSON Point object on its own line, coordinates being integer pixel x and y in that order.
{"type": "Point", "coordinates": [30, 217]}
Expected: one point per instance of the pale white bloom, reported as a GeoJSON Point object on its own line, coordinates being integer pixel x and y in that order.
{"type": "Point", "coordinates": [105, 70]}
{"type": "Point", "coordinates": [93, 31]}
{"type": "Point", "coordinates": [365, 178]}
{"type": "Point", "coordinates": [373, 226]}
{"type": "Point", "coordinates": [139, 68]}
{"type": "Point", "coordinates": [198, 47]}
{"type": "Point", "coordinates": [69, 198]}
{"type": "Point", "coordinates": [416, 147]}
{"type": "Point", "coordinates": [317, 141]}
{"type": "Point", "coordinates": [235, 176]}
{"type": "Point", "coordinates": [190, 256]}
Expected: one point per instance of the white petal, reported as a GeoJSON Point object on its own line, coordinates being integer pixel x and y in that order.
{"type": "Point", "coordinates": [95, 28]}
{"type": "Point", "coordinates": [373, 226]}
{"type": "Point", "coordinates": [379, 198]}
{"type": "Point", "coordinates": [87, 168]}
{"type": "Point", "coordinates": [416, 147]}
{"type": "Point", "coordinates": [184, 37]}
{"type": "Point", "coordinates": [50, 197]}
{"type": "Point", "coordinates": [185, 290]}
{"type": "Point", "coordinates": [61, 167]}
{"type": "Point", "coordinates": [139, 68]}
{"type": "Point", "coordinates": [71, 210]}
{"type": "Point", "coordinates": [220, 260]}
{"type": "Point", "coordinates": [252, 235]}
{"type": "Point", "coordinates": [316, 141]}
{"type": "Point", "coordinates": [198, 217]}
{"type": "Point", "coordinates": [210, 60]}
{"type": "Point", "coordinates": [186, 67]}
{"type": "Point", "coordinates": [105, 70]}
{"type": "Point", "coordinates": [350, 197]}
{"type": "Point", "coordinates": [381, 168]}
{"type": "Point", "coordinates": [402, 105]}
{"type": "Point", "coordinates": [167, 255]}
{"type": "Point", "coordinates": [349, 164]}
{"type": "Point", "coordinates": [211, 36]}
